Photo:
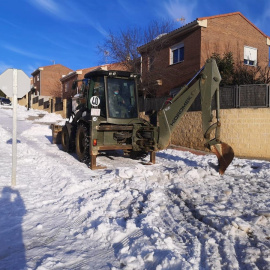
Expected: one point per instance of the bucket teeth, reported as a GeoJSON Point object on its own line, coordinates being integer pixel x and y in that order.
{"type": "Point", "coordinates": [225, 155]}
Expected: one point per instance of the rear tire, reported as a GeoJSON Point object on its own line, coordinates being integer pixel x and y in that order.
{"type": "Point", "coordinates": [82, 143]}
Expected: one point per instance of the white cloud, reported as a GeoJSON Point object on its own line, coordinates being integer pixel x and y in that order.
{"type": "Point", "coordinates": [124, 6]}
{"type": "Point", "coordinates": [30, 68]}
{"type": "Point", "coordinates": [52, 41]}
{"type": "Point", "coordinates": [99, 28]}
{"type": "Point", "coordinates": [71, 11]}
{"type": "Point", "coordinates": [265, 14]}
{"type": "Point", "coordinates": [177, 9]}
{"type": "Point", "coordinates": [4, 66]}
{"type": "Point", "coordinates": [23, 52]}
{"type": "Point", "coordinates": [49, 6]}
{"type": "Point", "coordinates": [9, 23]}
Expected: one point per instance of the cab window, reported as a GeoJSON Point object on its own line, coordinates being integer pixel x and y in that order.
{"type": "Point", "coordinates": [97, 89]}
{"type": "Point", "coordinates": [122, 98]}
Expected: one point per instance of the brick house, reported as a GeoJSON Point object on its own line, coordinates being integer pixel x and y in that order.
{"type": "Point", "coordinates": [46, 80]}
{"type": "Point", "coordinates": [171, 60]}
{"type": "Point", "coordinates": [67, 80]}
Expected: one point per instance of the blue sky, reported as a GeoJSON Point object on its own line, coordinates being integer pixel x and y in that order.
{"type": "Point", "coordinates": [37, 33]}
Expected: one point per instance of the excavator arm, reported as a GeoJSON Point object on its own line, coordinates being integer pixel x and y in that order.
{"type": "Point", "coordinates": [205, 82]}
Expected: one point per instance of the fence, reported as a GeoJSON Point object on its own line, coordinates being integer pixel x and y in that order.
{"type": "Point", "coordinates": [236, 96]}
{"type": "Point", "coordinates": [253, 96]}
{"type": "Point", "coordinates": [51, 105]}
{"type": "Point", "coordinates": [149, 104]}
{"type": "Point", "coordinates": [56, 105]}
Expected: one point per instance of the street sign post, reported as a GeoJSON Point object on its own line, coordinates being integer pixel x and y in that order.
{"type": "Point", "coordinates": [16, 84]}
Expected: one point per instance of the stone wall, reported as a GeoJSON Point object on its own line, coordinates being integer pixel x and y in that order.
{"type": "Point", "coordinates": [188, 132]}
{"type": "Point", "coordinates": [23, 101]}
{"type": "Point", "coordinates": [247, 131]}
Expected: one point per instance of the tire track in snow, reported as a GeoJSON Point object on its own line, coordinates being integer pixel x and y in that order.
{"type": "Point", "coordinates": [58, 232]}
{"type": "Point", "coordinates": [44, 241]}
{"type": "Point", "coordinates": [101, 255]}
{"type": "Point", "coordinates": [200, 240]}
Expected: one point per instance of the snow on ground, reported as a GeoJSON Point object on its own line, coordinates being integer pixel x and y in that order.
{"type": "Point", "coordinates": [177, 214]}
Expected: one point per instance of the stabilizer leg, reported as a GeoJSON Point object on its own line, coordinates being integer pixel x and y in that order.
{"type": "Point", "coordinates": [153, 157]}
{"type": "Point", "coordinates": [93, 163]}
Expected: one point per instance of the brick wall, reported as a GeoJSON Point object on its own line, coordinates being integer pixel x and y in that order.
{"type": "Point", "coordinates": [67, 81]}
{"type": "Point", "coordinates": [188, 132]}
{"type": "Point", "coordinates": [50, 80]}
{"type": "Point", "coordinates": [247, 131]}
{"type": "Point", "coordinates": [36, 82]}
{"type": "Point", "coordinates": [172, 75]}
{"type": "Point", "coordinates": [232, 33]}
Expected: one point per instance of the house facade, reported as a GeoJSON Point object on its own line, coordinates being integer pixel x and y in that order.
{"type": "Point", "coordinates": [67, 80]}
{"type": "Point", "coordinates": [46, 80]}
{"type": "Point", "coordinates": [171, 60]}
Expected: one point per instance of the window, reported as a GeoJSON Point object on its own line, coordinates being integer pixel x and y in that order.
{"type": "Point", "coordinates": [122, 98]}
{"type": "Point", "coordinates": [150, 63]}
{"type": "Point", "coordinates": [66, 86]}
{"type": "Point", "coordinates": [177, 54]}
{"type": "Point", "coordinates": [97, 89]}
{"type": "Point", "coordinates": [250, 56]}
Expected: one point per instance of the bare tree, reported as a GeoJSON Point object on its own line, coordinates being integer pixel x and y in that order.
{"type": "Point", "coordinates": [264, 74]}
{"type": "Point", "coordinates": [56, 90]}
{"type": "Point", "coordinates": [122, 47]}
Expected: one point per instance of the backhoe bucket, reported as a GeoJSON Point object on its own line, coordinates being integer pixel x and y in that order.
{"type": "Point", "coordinates": [224, 154]}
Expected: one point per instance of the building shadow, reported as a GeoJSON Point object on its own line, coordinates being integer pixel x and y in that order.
{"type": "Point", "coordinates": [12, 249]}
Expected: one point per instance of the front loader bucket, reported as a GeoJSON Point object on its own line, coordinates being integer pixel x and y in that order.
{"type": "Point", "coordinates": [224, 154]}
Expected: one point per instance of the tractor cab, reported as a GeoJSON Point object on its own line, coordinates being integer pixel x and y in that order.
{"type": "Point", "coordinates": [111, 95]}
{"type": "Point", "coordinates": [106, 118]}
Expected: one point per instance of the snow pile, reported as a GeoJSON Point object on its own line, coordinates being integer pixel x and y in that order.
{"type": "Point", "coordinates": [177, 214]}
{"type": "Point", "coordinates": [50, 118]}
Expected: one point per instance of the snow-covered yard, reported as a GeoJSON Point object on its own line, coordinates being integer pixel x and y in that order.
{"type": "Point", "coordinates": [177, 214]}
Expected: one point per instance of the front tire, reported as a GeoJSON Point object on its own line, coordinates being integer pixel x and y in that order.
{"type": "Point", "coordinates": [82, 143]}
{"type": "Point", "coordinates": [65, 140]}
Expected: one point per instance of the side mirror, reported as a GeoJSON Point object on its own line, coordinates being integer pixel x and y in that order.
{"type": "Point", "coordinates": [74, 85]}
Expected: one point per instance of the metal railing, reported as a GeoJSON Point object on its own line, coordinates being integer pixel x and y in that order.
{"type": "Point", "coordinates": [234, 96]}
{"type": "Point", "coordinates": [253, 96]}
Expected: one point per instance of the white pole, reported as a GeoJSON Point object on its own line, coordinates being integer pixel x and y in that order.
{"type": "Point", "coordinates": [14, 138]}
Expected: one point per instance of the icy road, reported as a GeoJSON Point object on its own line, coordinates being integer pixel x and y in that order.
{"type": "Point", "coordinates": [177, 214]}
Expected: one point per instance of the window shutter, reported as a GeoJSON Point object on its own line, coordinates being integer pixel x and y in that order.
{"type": "Point", "coordinates": [250, 53]}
